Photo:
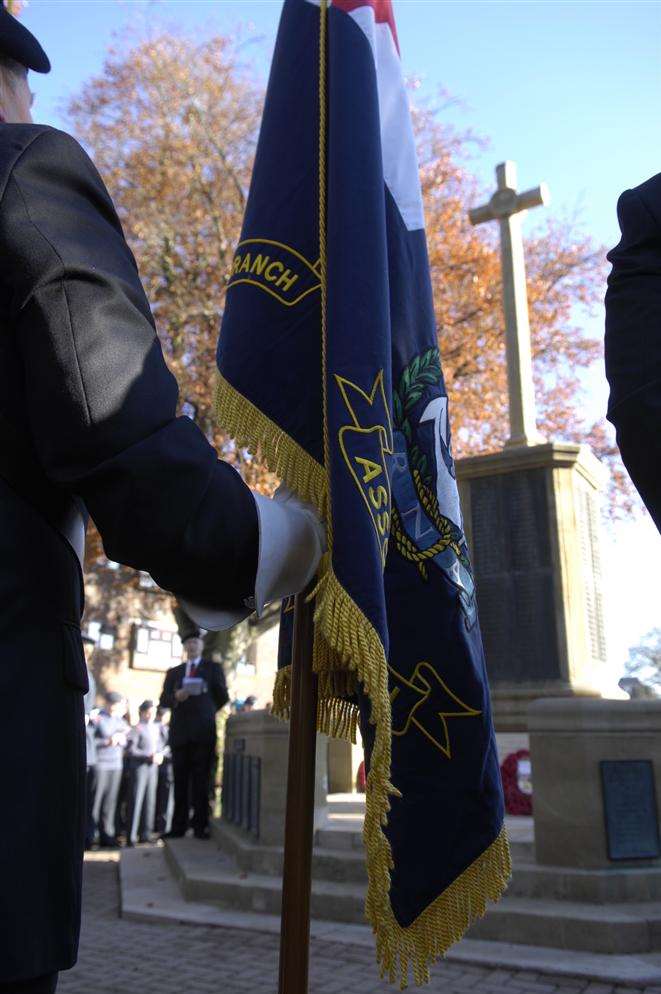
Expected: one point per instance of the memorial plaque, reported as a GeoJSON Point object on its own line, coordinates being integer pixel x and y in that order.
{"type": "Point", "coordinates": [632, 829]}
{"type": "Point", "coordinates": [514, 576]}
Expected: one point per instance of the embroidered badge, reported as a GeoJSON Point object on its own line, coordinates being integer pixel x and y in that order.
{"type": "Point", "coordinates": [426, 518]}
{"type": "Point", "coordinates": [426, 703]}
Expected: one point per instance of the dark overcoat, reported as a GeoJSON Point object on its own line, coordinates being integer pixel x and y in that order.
{"type": "Point", "coordinates": [633, 339]}
{"type": "Point", "coordinates": [87, 412]}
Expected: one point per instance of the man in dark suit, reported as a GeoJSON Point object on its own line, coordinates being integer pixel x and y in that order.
{"type": "Point", "coordinates": [633, 339]}
{"type": "Point", "coordinates": [88, 424]}
{"type": "Point", "coordinates": [194, 691]}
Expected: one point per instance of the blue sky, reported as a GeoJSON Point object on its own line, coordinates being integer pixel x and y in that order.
{"type": "Point", "coordinates": [571, 91]}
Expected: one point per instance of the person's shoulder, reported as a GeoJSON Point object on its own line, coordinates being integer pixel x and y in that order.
{"type": "Point", "coordinates": [18, 139]}
{"type": "Point", "coordinates": [650, 189]}
{"type": "Point", "coordinates": [643, 200]}
{"type": "Point", "coordinates": [39, 150]}
{"type": "Point", "coordinates": [15, 139]}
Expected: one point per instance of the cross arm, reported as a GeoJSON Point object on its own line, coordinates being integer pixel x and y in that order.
{"type": "Point", "coordinates": [478, 215]}
{"type": "Point", "coordinates": [540, 196]}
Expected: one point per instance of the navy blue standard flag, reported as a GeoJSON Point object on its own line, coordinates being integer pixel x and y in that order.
{"type": "Point", "coordinates": [329, 367]}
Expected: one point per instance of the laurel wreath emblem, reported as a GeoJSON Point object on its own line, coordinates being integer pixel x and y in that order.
{"type": "Point", "coordinates": [422, 372]}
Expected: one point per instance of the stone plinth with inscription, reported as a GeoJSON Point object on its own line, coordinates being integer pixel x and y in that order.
{"type": "Point", "coordinates": [255, 763]}
{"type": "Point", "coordinates": [531, 516]}
{"type": "Point", "coordinates": [596, 767]}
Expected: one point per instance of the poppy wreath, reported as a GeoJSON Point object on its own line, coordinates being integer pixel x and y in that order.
{"type": "Point", "coordinates": [516, 802]}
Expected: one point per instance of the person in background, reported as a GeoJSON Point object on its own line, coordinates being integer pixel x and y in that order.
{"type": "Point", "coordinates": [111, 734]}
{"type": "Point", "coordinates": [193, 691]}
{"type": "Point", "coordinates": [146, 745]}
{"type": "Point", "coordinates": [249, 703]}
{"type": "Point", "coordinates": [89, 702]}
{"type": "Point", "coordinates": [164, 791]}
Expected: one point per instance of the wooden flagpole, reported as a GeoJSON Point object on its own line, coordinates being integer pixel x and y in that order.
{"type": "Point", "coordinates": [299, 819]}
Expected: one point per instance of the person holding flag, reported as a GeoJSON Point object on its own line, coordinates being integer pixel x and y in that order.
{"type": "Point", "coordinates": [88, 424]}
{"type": "Point", "coordinates": [329, 365]}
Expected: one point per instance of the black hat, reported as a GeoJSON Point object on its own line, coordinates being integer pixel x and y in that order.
{"type": "Point", "coordinates": [19, 44]}
{"type": "Point", "coordinates": [191, 634]}
{"type": "Point", "coordinates": [146, 705]}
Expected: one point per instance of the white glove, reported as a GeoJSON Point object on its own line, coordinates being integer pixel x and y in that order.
{"type": "Point", "coordinates": [292, 540]}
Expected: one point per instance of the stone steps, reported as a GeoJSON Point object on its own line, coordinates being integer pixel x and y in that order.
{"type": "Point", "coordinates": [559, 883]}
{"type": "Point", "coordinates": [149, 893]}
{"type": "Point", "coordinates": [337, 865]}
{"type": "Point", "coordinates": [620, 928]}
{"type": "Point", "coordinates": [339, 856]}
{"type": "Point", "coordinates": [613, 929]}
{"type": "Point", "coordinates": [335, 837]}
{"type": "Point", "coordinates": [220, 882]}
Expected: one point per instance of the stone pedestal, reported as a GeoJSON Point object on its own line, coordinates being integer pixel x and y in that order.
{"type": "Point", "coordinates": [340, 767]}
{"type": "Point", "coordinates": [568, 741]}
{"type": "Point", "coordinates": [531, 516]}
{"type": "Point", "coordinates": [255, 776]}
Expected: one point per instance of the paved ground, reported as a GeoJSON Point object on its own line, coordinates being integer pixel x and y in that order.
{"type": "Point", "coordinates": [135, 958]}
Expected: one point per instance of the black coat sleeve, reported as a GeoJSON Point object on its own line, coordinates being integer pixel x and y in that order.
{"type": "Point", "coordinates": [167, 699]}
{"type": "Point", "coordinates": [100, 400]}
{"type": "Point", "coordinates": [633, 346]}
{"type": "Point", "coordinates": [218, 686]}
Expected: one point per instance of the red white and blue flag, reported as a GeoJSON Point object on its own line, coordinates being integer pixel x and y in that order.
{"type": "Point", "coordinates": [329, 365]}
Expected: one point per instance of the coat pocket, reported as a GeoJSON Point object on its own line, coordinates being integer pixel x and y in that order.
{"type": "Point", "coordinates": [74, 666]}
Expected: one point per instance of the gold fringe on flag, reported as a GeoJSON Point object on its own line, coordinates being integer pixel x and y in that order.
{"type": "Point", "coordinates": [347, 652]}
{"type": "Point", "coordinates": [252, 429]}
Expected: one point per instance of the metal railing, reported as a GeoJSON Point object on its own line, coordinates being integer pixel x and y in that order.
{"type": "Point", "coordinates": [241, 790]}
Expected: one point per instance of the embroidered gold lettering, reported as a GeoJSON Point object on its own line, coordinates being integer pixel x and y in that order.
{"type": "Point", "coordinates": [378, 497]}
{"type": "Point", "coordinates": [275, 268]}
{"type": "Point", "coordinates": [370, 469]}
{"type": "Point", "coordinates": [269, 270]}
{"type": "Point", "coordinates": [287, 279]}
{"type": "Point", "coordinates": [259, 264]}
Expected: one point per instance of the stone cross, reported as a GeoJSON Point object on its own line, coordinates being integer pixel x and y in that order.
{"type": "Point", "coordinates": [506, 206]}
